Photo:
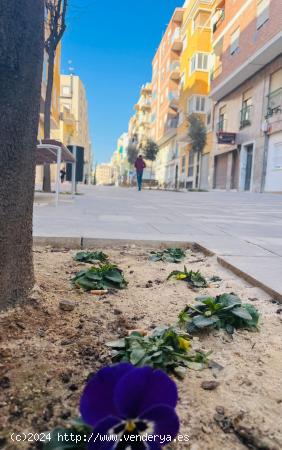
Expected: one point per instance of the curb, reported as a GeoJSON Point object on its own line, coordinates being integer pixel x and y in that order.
{"type": "Point", "coordinates": [88, 243]}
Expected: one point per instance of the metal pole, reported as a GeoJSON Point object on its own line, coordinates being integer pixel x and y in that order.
{"type": "Point", "coordinates": [59, 159]}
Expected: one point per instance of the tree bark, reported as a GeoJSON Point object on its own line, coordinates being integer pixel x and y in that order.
{"type": "Point", "coordinates": [21, 59]}
{"type": "Point", "coordinates": [47, 117]}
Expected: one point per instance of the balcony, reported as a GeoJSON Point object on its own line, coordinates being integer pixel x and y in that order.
{"type": "Point", "coordinates": [175, 71]}
{"type": "Point", "coordinates": [274, 104]}
{"type": "Point", "coordinates": [171, 124]}
{"type": "Point", "coordinates": [173, 97]}
{"type": "Point", "coordinates": [245, 116]}
{"type": "Point", "coordinates": [176, 42]}
{"type": "Point", "coordinates": [145, 104]}
{"type": "Point", "coordinates": [146, 89]}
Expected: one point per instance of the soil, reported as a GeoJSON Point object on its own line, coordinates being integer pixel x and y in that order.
{"type": "Point", "coordinates": [47, 354]}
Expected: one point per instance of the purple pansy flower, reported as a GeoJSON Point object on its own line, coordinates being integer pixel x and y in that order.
{"type": "Point", "coordinates": [123, 401]}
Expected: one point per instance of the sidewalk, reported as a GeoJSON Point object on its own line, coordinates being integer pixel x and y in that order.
{"type": "Point", "coordinates": [243, 229]}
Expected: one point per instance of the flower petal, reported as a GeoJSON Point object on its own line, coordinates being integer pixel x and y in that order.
{"type": "Point", "coordinates": [100, 438]}
{"type": "Point", "coordinates": [97, 400]}
{"type": "Point", "coordinates": [166, 423]}
{"type": "Point", "coordinates": [143, 388]}
{"type": "Point", "coordinates": [161, 390]}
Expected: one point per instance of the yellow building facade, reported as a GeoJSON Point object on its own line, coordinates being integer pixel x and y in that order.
{"type": "Point", "coordinates": [195, 62]}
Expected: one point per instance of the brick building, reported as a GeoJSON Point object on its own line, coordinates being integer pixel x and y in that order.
{"type": "Point", "coordinates": [165, 100]}
{"type": "Point", "coordinates": [246, 87]}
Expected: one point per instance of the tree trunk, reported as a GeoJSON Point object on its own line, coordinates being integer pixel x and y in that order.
{"type": "Point", "coordinates": [47, 116]}
{"type": "Point", "coordinates": [21, 59]}
{"type": "Point", "coordinates": [151, 175]}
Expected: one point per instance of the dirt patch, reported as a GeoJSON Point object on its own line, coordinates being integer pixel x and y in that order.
{"type": "Point", "coordinates": [47, 354]}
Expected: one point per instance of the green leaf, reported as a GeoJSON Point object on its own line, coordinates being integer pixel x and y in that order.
{"type": "Point", "coordinates": [136, 356]}
{"type": "Point", "coordinates": [242, 313]}
{"type": "Point", "coordinates": [116, 344]}
{"type": "Point", "coordinates": [203, 322]}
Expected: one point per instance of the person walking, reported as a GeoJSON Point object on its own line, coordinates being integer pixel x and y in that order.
{"type": "Point", "coordinates": [140, 165]}
{"type": "Point", "coordinates": [63, 174]}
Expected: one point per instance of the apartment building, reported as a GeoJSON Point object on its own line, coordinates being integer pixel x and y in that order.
{"type": "Point", "coordinates": [165, 101]}
{"type": "Point", "coordinates": [74, 126]}
{"type": "Point", "coordinates": [104, 174]}
{"type": "Point", "coordinates": [195, 63]}
{"type": "Point", "coordinates": [247, 88]}
{"type": "Point", "coordinates": [139, 127]}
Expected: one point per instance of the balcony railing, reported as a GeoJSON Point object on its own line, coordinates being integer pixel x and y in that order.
{"type": "Point", "coordinates": [245, 116]}
{"type": "Point", "coordinates": [176, 42]}
{"type": "Point", "coordinates": [274, 104]}
{"type": "Point", "coordinates": [173, 95]}
{"type": "Point", "coordinates": [221, 125]}
{"type": "Point", "coordinates": [171, 124]}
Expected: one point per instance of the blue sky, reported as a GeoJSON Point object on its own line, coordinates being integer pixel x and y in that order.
{"type": "Point", "coordinates": [111, 45]}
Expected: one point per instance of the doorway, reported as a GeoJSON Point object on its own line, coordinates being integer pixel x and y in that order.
{"type": "Point", "coordinates": [247, 156]}
{"type": "Point", "coordinates": [176, 176]}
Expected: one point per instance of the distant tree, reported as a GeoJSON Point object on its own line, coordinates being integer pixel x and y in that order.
{"type": "Point", "coordinates": [21, 60]}
{"type": "Point", "coordinates": [151, 150]}
{"type": "Point", "coordinates": [132, 153]}
{"type": "Point", "coordinates": [197, 133]}
{"type": "Point", "coordinates": [55, 27]}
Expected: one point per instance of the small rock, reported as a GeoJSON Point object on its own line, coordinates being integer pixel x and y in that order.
{"type": "Point", "coordinates": [131, 272]}
{"type": "Point", "coordinates": [220, 410]}
{"type": "Point", "coordinates": [3, 441]}
{"type": "Point", "coordinates": [41, 333]}
{"type": "Point", "coordinates": [279, 311]}
{"type": "Point", "coordinates": [66, 377]}
{"type": "Point", "coordinates": [73, 387]}
{"type": "Point", "coordinates": [65, 415]}
{"type": "Point", "coordinates": [209, 385]}
{"type": "Point", "coordinates": [5, 383]}
{"type": "Point", "coordinates": [67, 341]}
{"type": "Point", "coordinates": [117, 311]}
{"type": "Point", "coordinates": [20, 325]}
{"type": "Point", "coordinates": [67, 305]}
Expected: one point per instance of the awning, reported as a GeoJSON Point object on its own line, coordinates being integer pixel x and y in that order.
{"type": "Point", "coordinates": [47, 150]}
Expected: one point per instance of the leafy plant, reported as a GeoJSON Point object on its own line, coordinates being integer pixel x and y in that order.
{"type": "Point", "coordinates": [223, 311]}
{"type": "Point", "coordinates": [103, 277]}
{"type": "Point", "coordinates": [174, 255]}
{"type": "Point", "coordinates": [194, 279]}
{"type": "Point", "coordinates": [166, 348]}
{"type": "Point", "coordinates": [91, 257]}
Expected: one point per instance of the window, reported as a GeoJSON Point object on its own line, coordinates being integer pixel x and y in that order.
{"type": "Point", "coordinates": [246, 110]}
{"type": "Point", "coordinates": [262, 12]}
{"type": "Point", "coordinates": [197, 104]}
{"type": "Point", "coordinates": [66, 91]}
{"type": "Point", "coordinates": [182, 80]}
{"type": "Point", "coordinates": [235, 37]}
{"type": "Point", "coordinates": [221, 126]}
{"type": "Point", "coordinates": [193, 64]}
{"type": "Point", "coordinates": [199, 61]}
{"type": "Point", "coordinates": [183, 164]}
{"type": "Point", "coordinates": [275, 92]}
{"type": "Point", "coordinates": [185, 42]}
{"type": "Point", "coordinates": [190, 164]}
